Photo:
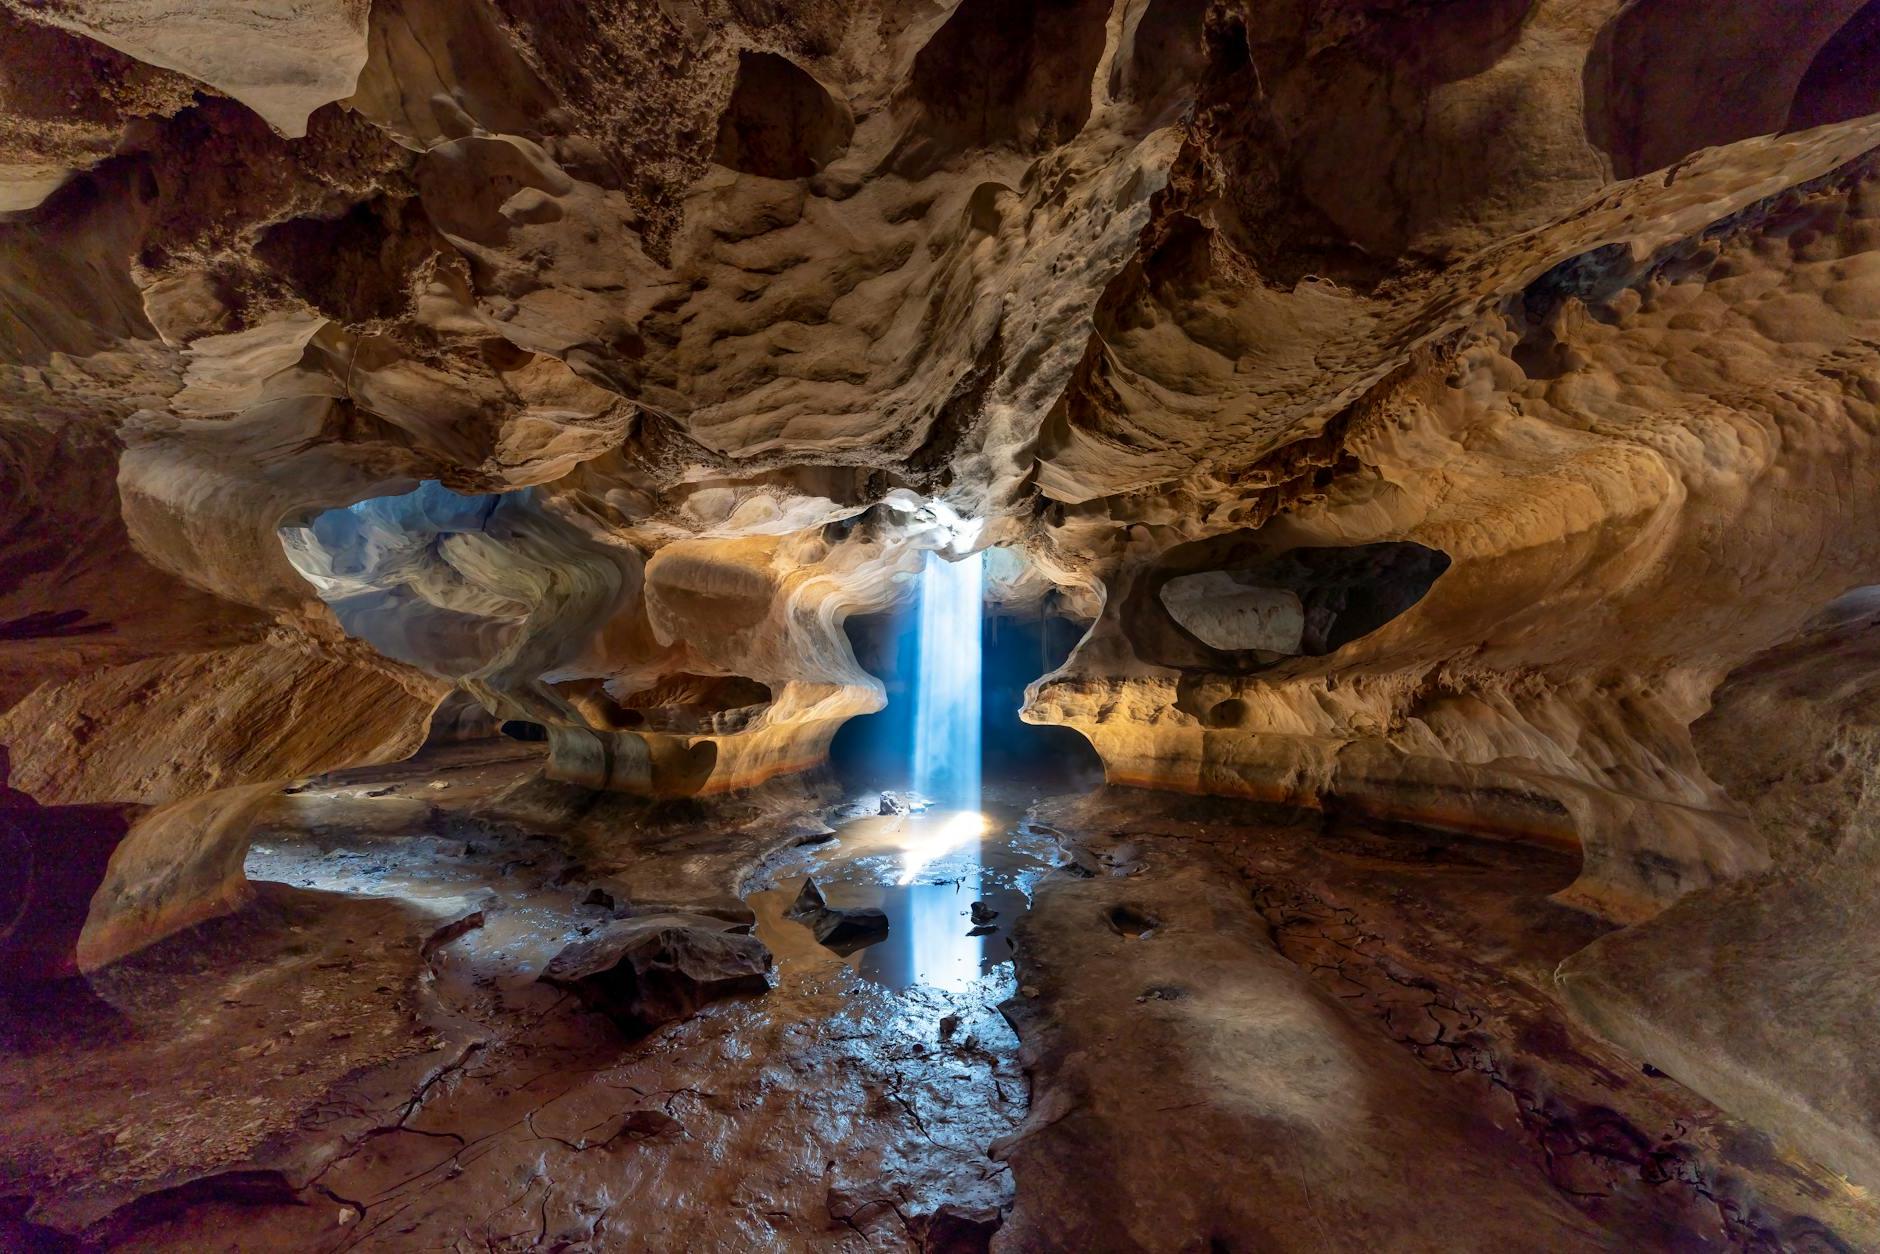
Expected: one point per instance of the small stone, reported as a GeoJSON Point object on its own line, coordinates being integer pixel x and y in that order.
{"type": "Point", "coordinates": [949, 1024]}
{"type": "Point", "coordinates": [891, 804]}
{"type": "Point", "coordinates": [982, 913]}
{"type": "Point", "coordinates": [809, 900]}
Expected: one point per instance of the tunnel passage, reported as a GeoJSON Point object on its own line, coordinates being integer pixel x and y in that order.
{"type": "Point", "coordinates": [393, 570]}
{"type": "Point", "coordinates": [1165, 52]}
{"type": "Point", "coordinates": [1843, 81]}
{"type": "Point", "coordinates": [486, 586]}
{"type": "Point", "coordinates": [1304, 603]}
{"type": "Point", "coordinates": [1004, 73]}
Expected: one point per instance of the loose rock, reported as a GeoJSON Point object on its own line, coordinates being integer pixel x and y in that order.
{"type": "Point", "coordinates": [659, 969]}
{"type": "Point", "coordinates": [844, 929]}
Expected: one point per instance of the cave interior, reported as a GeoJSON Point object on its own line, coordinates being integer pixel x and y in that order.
{"type": "Point", "coordinates": [939, 625]}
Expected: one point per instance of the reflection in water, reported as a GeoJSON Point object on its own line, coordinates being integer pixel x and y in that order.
{"type": "Point", "coordinates": [933, 836]}
{"type": "Point", "coordinates": [994, 860]}
{"type": "Point", "coordinates": [943, 956]}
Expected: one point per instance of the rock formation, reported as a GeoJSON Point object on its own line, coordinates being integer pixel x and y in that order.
{"type": "Point", "coordinates": [659, 968]}
{"type": "Point", "coordinates": [843, 929]}
{"type": "Point", "coordinates": [1452, 415]}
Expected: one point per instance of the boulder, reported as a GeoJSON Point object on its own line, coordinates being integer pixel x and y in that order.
{"type": "Point", "coordinates": [658, 969]}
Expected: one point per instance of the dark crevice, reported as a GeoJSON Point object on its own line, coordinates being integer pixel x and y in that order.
{"type": "Point", "coordinates": [781, 123]}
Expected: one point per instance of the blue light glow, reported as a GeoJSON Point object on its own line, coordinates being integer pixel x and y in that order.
{"type": "Point", "coordinates": [946, 695]}
{"type": "Point", "coordinates": [946, 770]}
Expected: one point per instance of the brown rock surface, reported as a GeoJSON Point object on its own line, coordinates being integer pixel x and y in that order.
{"type": "Point", "coordinates": [1325, 1032]}
{"type": "Point", "coordinates": [1435, 415]}
{"type": "Point", "coordinates": [1753, 993]}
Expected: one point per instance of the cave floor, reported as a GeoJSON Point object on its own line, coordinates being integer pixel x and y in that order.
{"type": "Point", "coordinates": [1233, 1031]}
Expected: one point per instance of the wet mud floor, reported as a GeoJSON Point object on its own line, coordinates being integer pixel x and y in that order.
{"type": "Point", "coordinates": [1177, 1025]}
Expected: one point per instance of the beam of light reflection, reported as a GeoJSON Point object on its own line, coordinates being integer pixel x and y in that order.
{"type": "Point", "coordinates": [946, 770]}
{"type": "Point", "coordinates": [932, 837]}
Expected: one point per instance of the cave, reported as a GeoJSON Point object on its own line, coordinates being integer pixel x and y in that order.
{"type": "Point", "coordinates": [1006, 625]}
{"type": "Point", "coordinates": [1304, 603]}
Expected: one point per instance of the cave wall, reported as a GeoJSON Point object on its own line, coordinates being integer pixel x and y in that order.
{"type": "Point", "coordinates": [1752, 992]}
{"type": "Point", "coordinates": [710, 299]}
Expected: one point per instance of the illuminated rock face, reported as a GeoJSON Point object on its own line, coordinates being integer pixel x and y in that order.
{"type": "Point", "coordinates": [1427, 408]}
{"type": "Point", "coordinates": [1447, 415]}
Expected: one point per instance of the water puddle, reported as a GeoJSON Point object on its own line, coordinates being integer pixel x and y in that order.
{"type": "Point", "coordinates": [924, 871]}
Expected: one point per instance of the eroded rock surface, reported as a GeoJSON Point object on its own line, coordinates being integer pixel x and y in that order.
{"type": "Point", "coordinates": [1175, 300]}
{"type": "Point", "coordinates": [1352, 1030]}
{"type": "Point", "coordinates": [1437, 415]}
{"type": "Point", "coordinates": [361, 1056]}
{"type": "Point", "coordinates": [659, 968]}
{"type": "Point", "coordinates": [1749, 990]}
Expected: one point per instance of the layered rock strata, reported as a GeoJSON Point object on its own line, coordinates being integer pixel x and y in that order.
{"type": "Point", "coordinates": [1429, 408]}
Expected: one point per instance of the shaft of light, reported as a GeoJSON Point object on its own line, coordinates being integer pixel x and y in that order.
{"type": "Point", "coordinates": [946, 770]}
{"type": "Point", "coordinates": [946, 696]}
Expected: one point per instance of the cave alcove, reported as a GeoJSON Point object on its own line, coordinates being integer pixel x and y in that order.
{"type": "Point", "coordinates": [1214, 605]}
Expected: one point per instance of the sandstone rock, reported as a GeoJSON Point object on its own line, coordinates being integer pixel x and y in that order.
{"type": "Point", "coordinates": [1741, 991]}
{"type": "Point", "coordinates": [656, 969]}
{"type": "Point", "coordinates": [282, 59]}
{"type": "Point", "coordinates": [1425, 413]}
